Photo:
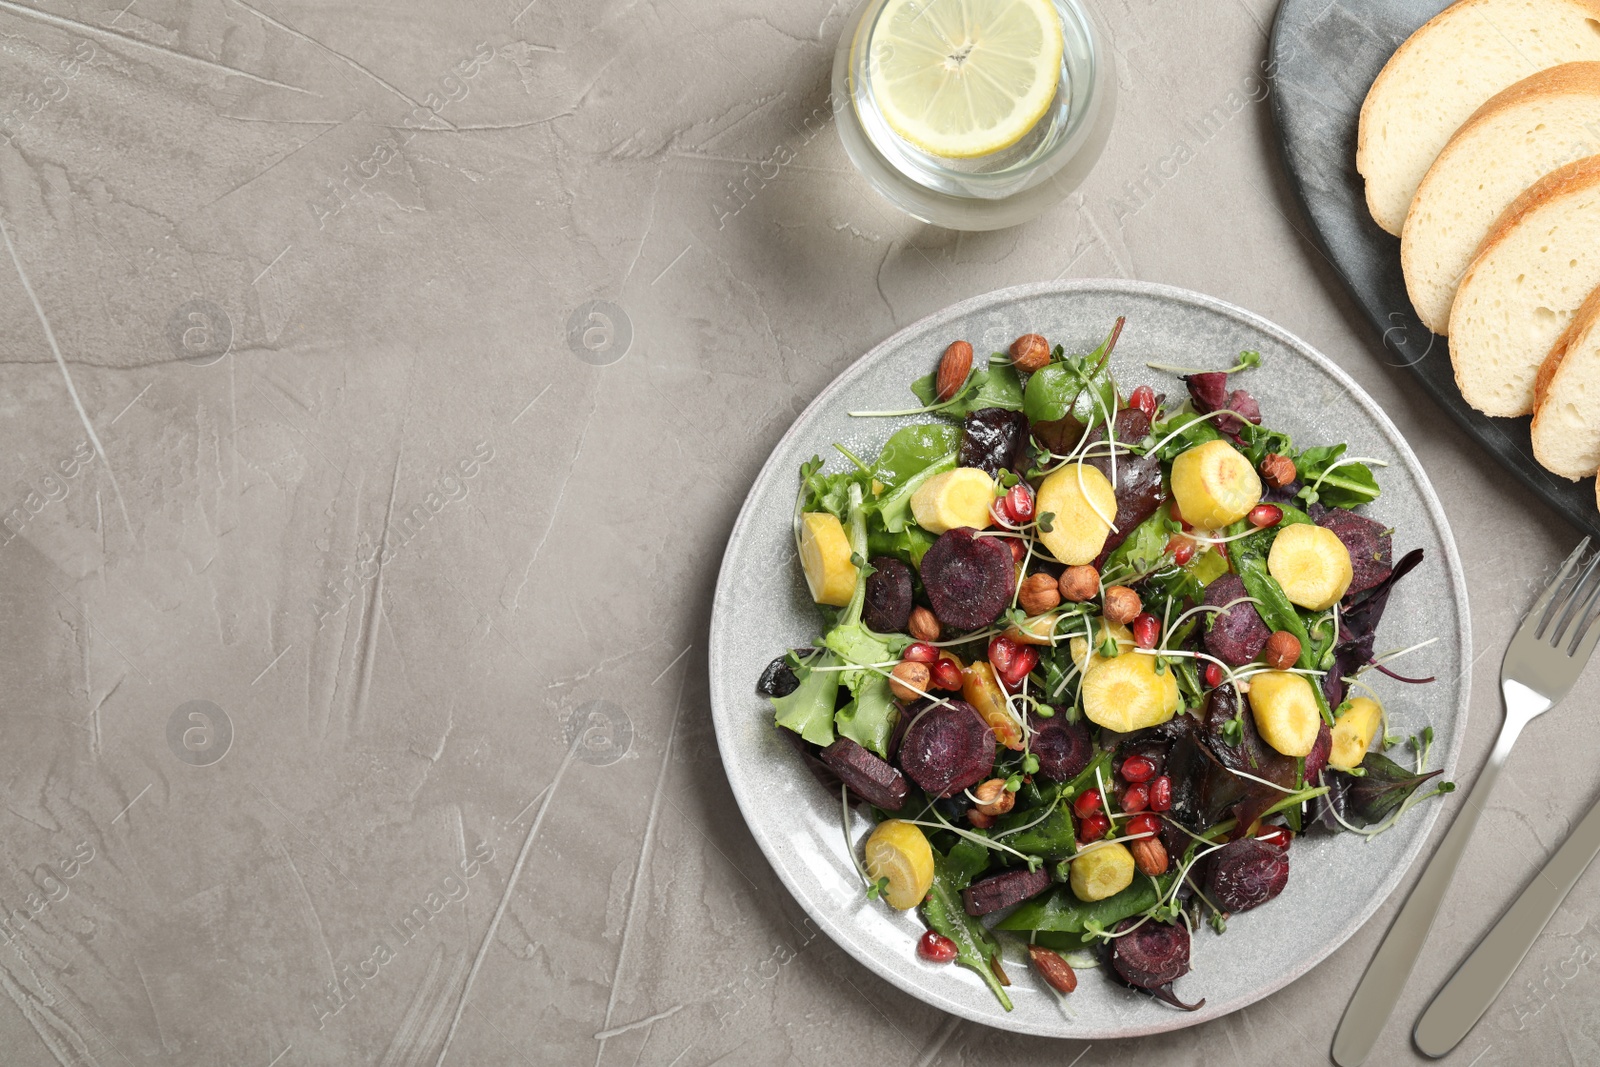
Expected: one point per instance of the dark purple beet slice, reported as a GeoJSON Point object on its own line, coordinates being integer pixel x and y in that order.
{"type": "Point", "coordinates": [888, 606]}
{"type": "Point", "coordinates": [1062, 748]}
{"type": "Point", "coordinates": [1370, 543]}
{"type": "Point", "coordinates": [1238, 635]}
{"type": "Point", "coordinates": [870, 778]}
{"type": "Point", "coordinates": [994, 439]}
{"type": "Point", "coordinates": [1151, 956]}
{"type": "Point", "coordinates": [969, 579]}
{"type": "Point", "coordinates": [1209, 391]}
{"type": "Point", "coordinates": [947, 747]}
{"type": "Point", "coordinates": [1004, 890]}
{"type": "Point", "coordinates": [1246, 873]}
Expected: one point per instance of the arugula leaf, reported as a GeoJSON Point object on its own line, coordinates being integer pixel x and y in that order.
{"type": "Point", "coordinates": [1259, 441]}
{"type": "Point", "coordinates": [1336, 485]}
{"type": "Point", "coordinates": [826, 492]}
{"type": "Point", "coordinates": [994, 386]}
{"type": "Point", "coordinates": [910, 544]}
{"type": "Point", "coordinates": [942, 910]}
{"type": "Point", "coordinates": [869, 720]}
{"type": "Point", "coordinates": [894, 507]}
{"type": "Point", "coordinates": [1145, 547]}
{"type": "Point", "coordinates": [808, 711]}
{"type": "Point", "coordinates": [1190, 430]}
{"type": "Point", "coordinates": [1060, 911]}
{"type": "Point", "coordinates": [912, 448]}
{"type": "Point", "coordinates": [1249, 555]}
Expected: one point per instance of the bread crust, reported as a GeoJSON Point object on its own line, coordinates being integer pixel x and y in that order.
{"type": "Point", "coordinates": [1571, 178]}
{"type": "Point", "coordinates": [1565, 79]}
{"type": "Point", "coordinates": [1449, 14]}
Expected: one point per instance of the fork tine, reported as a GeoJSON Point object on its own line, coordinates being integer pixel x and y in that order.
{"type": "Point", "coordinates": [1574, 609]}
{"type": "Point", "coordinates": [1533, 621]}
{"type": "Point", "coordinates": [1583, 645]}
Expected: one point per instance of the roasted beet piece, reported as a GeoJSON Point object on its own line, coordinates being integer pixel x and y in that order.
{"type": "Point", "coordinates": [947, 747]}
{"type": "Point", "coordinates": [1246, 873]}
{"type": "Point", "coordinates": [1238, 635]}
{"type": "Point", "coordinates": [868, 777]}
{"type": "Point", "coordinates": [888, 606]}
{"type": "Point", "coordinates": [1004, 890]}
{"type": "Point", "coordinates": [778, 679]}
{"type": "Point", "coordinates": [994, 439]}
{"type": "Point", "coordinates": [969, 579]}
{"type": "Point", "coordinates": [1151, 956]}
{"type": "Point", "coordinates": [1370, 543]}
{"type": "Point", "coordinates": [1062, 748]}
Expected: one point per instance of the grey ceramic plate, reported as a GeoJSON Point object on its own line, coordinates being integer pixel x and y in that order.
{"type": "Point", "coordinates": [761, 608]}
{"type": "Point", "coordinates": [1326, 55]}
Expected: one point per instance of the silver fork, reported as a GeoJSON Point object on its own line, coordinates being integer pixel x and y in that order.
{"type": "Point", "coordinates": [1546, 656]}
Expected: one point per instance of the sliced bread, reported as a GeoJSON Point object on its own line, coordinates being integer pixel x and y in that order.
{"type": "Point", "coordinates": [1540, 261]}
{"type": "Point", "coordinates": [1446, 71]}
{"type": "Point", "coordinates": [1523, 133]}
{"type": "Point", "coordinates": [1566, 413]}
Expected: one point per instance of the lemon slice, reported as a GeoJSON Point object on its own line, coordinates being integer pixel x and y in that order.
{"type": "Point", "coordinates": [964, 78]}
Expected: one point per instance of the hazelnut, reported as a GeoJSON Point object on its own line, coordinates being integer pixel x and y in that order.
{"type": "Point", "coordinates": [909, 680]}
{"type": "Point", "coordinates": [1030, 352]}
{"type": "Point", "coordinates": [1038, 594]}
{"type": "Point", "coordinates": [1149, 855]}
{"type": "Point", "coordinates": [993, 797]}
{"type": "Point", "coordinates": [1282, 651]}
{"type": "Point", "coordinates": [1079, 583]}
{"type": "Point", "coordinates": [954, 366]}
{"type": "Point", "coordinates": [1277, 471]}
{"type": "Point", "coordinates": [1122, 605]}
{"type": "Point", "coordinates": [978, 819]}
{"type": "Point", "coordinates": [924, 624]}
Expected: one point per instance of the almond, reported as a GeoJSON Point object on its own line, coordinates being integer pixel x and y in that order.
{"type": "Point", "coordinates": [953, 370]}
{"type": "Point", "coordinates": [1052, 968]}
{"type": "Point", "coordinates": [1149, 855]}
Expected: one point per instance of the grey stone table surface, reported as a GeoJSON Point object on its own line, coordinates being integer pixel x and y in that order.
{"type": "Point", "coordinates": [332, 503]}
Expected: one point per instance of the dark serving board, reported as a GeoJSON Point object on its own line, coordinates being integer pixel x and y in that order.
{"type": "Point", "coordinates": [1326, 54]}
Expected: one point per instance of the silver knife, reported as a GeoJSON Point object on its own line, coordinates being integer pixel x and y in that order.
{"type": "Point", "coordinates": [1470, 991]}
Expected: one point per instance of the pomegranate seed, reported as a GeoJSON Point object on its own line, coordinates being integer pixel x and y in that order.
{"type": "Point", "coordinates": [1276, 835]}
{"type": "Point", "coordinates": [1094, 827]}
{"type": "Point", "coordinates": [935, 947]}
{"type": "Point", "coordinates": [1138, 769]}
{"type": "Point", "coordinates": [1012, 661]}
{"type": "Point", "coordinates": [1182, 549]}
{"type": "Point", "coordinates": [1146, 630]}
{"type": "Point", "coordinates": [1143, 398]}
{"type": "Point", "coordinates": [1019, 503]}
{"type": "Point", "coordinates": [1264, 515]}
{"type": "Point", "coordinates": [1144, 823]}
{"type": "Point", "coordinates": [946, 675]}
{"type": "Point", "coordinates": [918, 652]}
{"type": "Point", "coordinates": [1160, 793]}
{"type": "Point", "coordinates": [1087, 804]}
{"type": "Point", "coordinates": [1018, 549]}
{"type": "Point", "coordinates": [1135, 798]}
{"type": "Point", "coordinates": [1213, 675]}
